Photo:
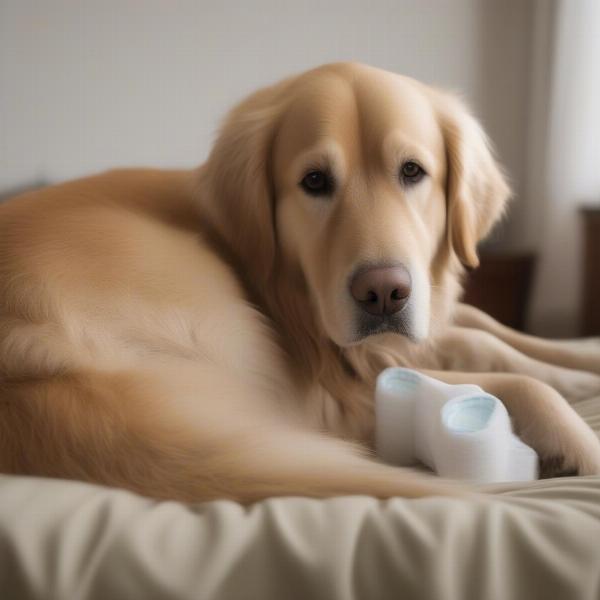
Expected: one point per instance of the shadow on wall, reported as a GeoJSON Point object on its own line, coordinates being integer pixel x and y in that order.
{"type": "Point", "coordinates": [21, 189]}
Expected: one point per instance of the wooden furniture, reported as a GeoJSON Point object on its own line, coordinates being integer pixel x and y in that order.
{"type": "Point", "coordinates": [501, 287]}
{"type": "Point", "coordinates": [590, 300]}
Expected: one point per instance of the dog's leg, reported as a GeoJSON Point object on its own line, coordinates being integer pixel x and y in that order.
{"type": "Point", "coordinates": [583, 355]}
{"type": "Point", "coordinates": [167, 438]}
{"type": "Point", "coordinates": [542, 418]}
{"type": "Point", "coordinates": [466, 349]}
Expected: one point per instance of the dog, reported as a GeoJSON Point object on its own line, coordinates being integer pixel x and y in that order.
{"type": "Point", "coordinates": [216, 333]}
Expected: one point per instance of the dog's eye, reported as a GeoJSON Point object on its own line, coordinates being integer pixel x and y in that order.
{"type": "Point", "coordinates": [411, 172]}
{"type": "Point", "coordinates": [317, 183]}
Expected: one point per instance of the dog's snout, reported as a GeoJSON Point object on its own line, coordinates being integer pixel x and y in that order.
{"type": "Point", "coordinates": [381, 290]}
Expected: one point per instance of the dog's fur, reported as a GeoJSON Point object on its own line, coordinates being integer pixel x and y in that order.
{"type": "Point", "coordinates": [191, 335]}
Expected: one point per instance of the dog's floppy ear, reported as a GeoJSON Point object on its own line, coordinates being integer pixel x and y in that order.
{"type": "Point", "coordinates": [476, 190]}
{"type": "Point", "coordinates": [236, 194]}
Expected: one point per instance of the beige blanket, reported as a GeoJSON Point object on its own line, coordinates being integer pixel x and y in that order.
{"type": "Point", "coordinates": [68, 540]}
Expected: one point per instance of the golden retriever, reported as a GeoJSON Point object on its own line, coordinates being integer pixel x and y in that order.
{"type": "Point", "coordinates": [216, 333]}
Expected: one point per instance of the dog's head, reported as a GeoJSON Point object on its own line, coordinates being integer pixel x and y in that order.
{"type": "Point", "coordinates": [369, 185]}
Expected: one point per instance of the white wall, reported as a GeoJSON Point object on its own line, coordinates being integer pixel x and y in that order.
{"type": "Point", "coordinates": [86, 85]}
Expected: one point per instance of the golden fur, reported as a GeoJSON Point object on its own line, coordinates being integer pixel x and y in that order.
{"type": "Point", "coordinates": [190, 335]}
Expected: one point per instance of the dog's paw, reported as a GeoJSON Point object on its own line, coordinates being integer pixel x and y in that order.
{"type": "Point", "coordinates": [555, 466]}
{"type": "Point", "coordinates": [564, 443]}
{"type": "Point", "coordinates": [571, 455]}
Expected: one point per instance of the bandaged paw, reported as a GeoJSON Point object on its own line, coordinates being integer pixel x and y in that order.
{"type": "Point", "coordinates": [458, 431]}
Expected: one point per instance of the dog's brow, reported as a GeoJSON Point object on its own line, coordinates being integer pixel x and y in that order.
{"type": "Point", "coordinates": [397, 149]}
{"type": "Point", "coordinates": [325, 157]}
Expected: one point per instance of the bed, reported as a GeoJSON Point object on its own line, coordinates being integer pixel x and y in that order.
{"type": "Point", "coordinates": [67, 540]}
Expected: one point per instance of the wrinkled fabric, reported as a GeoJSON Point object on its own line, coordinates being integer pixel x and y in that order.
{"type": "Point", "coordinates": [67, 540]}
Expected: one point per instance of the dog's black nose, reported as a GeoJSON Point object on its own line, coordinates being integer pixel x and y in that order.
{"type": "Point", "coordinates": [381, 290]}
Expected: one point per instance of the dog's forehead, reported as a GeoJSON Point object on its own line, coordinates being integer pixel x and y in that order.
{"type": "Point", "coordinates": [360, 109]}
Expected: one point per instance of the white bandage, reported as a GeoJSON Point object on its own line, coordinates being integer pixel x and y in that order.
{"type": "Point", "coordinates": [458, 431]}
